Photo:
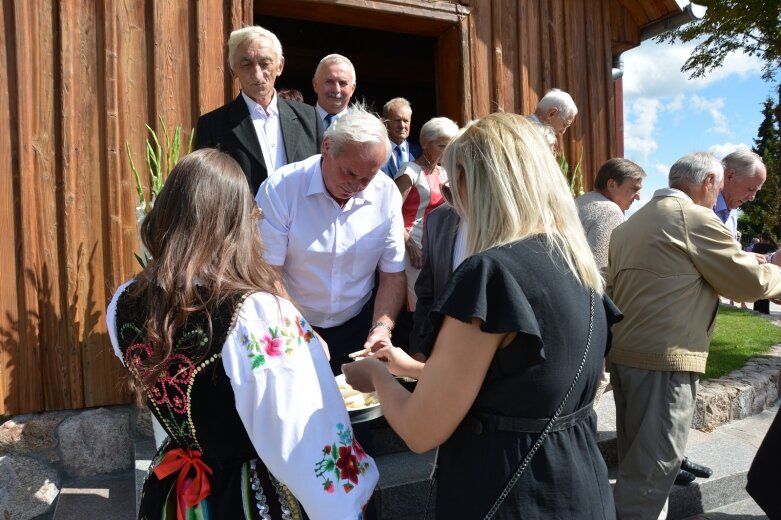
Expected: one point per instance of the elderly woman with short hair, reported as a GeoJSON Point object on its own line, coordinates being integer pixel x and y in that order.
{"type": "Point", "coordinates": [420, 183]}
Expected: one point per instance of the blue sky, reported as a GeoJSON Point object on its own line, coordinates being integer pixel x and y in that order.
{"type": "Point", "coordinates": [667, 115]}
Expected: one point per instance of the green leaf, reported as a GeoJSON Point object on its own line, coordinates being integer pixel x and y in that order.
{"type": "Point", "coordinates": [258, 361]}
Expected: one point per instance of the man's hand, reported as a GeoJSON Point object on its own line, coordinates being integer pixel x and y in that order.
{"type": "Point", "coordinates": [378, 335]}
{"type": "Point", "coordinates": [761, 259]}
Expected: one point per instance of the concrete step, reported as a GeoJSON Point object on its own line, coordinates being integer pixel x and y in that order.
{"type": "Point", "coordinates": [743, 510]}
{"type": "Point", "coordinates": [92, 498]}
{"type": "Point", "coordinates": [729, 451]}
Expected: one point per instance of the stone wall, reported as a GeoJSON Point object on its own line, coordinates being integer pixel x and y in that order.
{"type": "Point", "coordinates": [739, 394]}
{"type": "Point", "coordinates": [39, 452]}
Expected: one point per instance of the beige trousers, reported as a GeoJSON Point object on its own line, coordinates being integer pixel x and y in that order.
{"type": "Point", "coordinates": [653, 416]}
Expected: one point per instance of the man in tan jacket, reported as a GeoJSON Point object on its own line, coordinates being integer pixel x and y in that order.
{"type": "Point", "coordinates": [667, 265]}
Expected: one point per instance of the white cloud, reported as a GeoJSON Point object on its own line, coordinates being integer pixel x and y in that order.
{"type": "Point", "coordinates": [722, 150]}
{"type": "Point", "coordinates": [662, 169]}
{"type": "Point", "coordinates": [654, 70]}
{"type": "Point", "coordinates": [676, 104]}
{"type": "Point", "coordinates": [640, 126]}
{"type": "Point", "coordinates": [713, 107]}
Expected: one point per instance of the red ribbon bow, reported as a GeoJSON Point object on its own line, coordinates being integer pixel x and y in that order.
{"type": "Point", "coordinates": [182, 460]}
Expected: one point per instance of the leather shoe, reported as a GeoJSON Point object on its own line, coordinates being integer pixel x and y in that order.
{"type": "Point", "coordinates": [684, 478]}
{"type": "Point", "coordinates": [698, 470]}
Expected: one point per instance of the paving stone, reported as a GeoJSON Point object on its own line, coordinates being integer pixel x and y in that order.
{"type": "Point", "coordinates": [28, 487]}
{"type": "Point", "coordinates": [105, 497]}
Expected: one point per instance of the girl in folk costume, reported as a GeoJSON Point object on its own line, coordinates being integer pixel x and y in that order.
{"type": "Point", "coordinates": [257, 427]}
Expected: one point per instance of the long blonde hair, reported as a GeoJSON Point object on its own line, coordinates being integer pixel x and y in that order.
{"type": "Point", "coordinates": [507, 186]}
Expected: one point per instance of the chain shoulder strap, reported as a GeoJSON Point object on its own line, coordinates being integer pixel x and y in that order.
{"type": "Point", "coordinates": [525, 462]}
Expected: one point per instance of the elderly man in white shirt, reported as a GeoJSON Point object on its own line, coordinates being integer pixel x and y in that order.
{"type": "Point", "coordinates": [330, 222]}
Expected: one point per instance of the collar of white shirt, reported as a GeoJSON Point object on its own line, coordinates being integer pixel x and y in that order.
{"type": "Point", "coordinates": [322, 113]}
{"type": "Point", "coordinates": [317, 186]}
{"type": "Point", "coordinates": [257, 111]}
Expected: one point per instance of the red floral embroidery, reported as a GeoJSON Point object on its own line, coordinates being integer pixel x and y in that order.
{"type": "Point", "coordinates": [342, 461]}
{"type": "Point", "coordinates": [304, 333]}
{"type": "Point", "coordinates": [272, 346]}
{"type": "Point", "coordinates": [171, 386]}
{"type": "Point", "coordinates": [347, 464]}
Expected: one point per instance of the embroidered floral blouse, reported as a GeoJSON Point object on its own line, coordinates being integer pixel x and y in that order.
{"type": "Point", "coordinates": [291, 407]}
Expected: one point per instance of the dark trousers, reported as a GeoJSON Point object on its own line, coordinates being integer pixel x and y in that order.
{"type": "Point", "coordinates": [347, 337]}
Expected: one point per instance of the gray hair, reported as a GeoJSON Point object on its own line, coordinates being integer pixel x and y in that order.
{"type": "Point", "coordinates": [358, 126]}
{"type": "Point", "coordinates": [546, 131]}
{"type": "Point", "coordinates": [619, 170]}
{"type": "Point", "coordinates": [437, 127]}
{"type": "Point", "coordinates": [743, 161]}
{"type": "Point", "coordinates": [251, 34]}
{"type": "Point", "coordinates": [556, 98]}
{"type": "Point", "coordinates": [397, 101]}
{"type": "Point", "coordinates": [694, 168]}
{"type": "Point", "coordinates": [336, 58]}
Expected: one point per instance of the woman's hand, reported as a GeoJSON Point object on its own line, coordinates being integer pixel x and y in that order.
{"type": "Point", "coordinates": [414, 254]}
{"type": "Point", "coordinates": [358, 374]}
{"type": "Point", "coordinates": [398, 362]}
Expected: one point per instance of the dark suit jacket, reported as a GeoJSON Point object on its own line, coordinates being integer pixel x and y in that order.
{"type": "Point", "coordinates": [230, 129]}
{"type": "Point", "coordinates": [439, 240]}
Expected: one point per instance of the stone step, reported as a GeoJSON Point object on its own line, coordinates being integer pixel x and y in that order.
{"type": "Point", "coordinates": [743, 510]}
{"type": "Point", "coordinates": [729, 451]}
{"type": "Point", "coordinates": [92, 498]}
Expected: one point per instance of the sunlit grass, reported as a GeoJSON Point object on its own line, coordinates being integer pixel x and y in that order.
{"type": "Point", "coordinates": [739, 336]}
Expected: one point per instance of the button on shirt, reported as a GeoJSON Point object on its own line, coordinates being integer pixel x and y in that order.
{"type": "Point", "coordinates": [728, 216]}
{"type": "Point", "coordinates": [329, 253]}
{"type": "Point", "coordinates": [269, 132]}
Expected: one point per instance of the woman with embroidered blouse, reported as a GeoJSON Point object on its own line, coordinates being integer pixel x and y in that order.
{"type": "Point", "coordinates": [519, 336]}
{"type": "Point", "coordinates": [256, 423]}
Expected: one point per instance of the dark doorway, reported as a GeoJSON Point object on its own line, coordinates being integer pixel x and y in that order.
{"type": "Point", "coordinates": [387, 64]}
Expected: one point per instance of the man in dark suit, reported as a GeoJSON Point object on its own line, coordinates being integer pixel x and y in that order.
{"type": "Point", "coordinates": [258, 129]}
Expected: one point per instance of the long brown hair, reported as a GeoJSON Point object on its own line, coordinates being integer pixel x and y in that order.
{"type": "Point", "coordinates": [204, 239]}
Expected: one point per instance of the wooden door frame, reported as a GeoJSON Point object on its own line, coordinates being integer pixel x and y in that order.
{"type": "Point", "coordinates": [447, 22]}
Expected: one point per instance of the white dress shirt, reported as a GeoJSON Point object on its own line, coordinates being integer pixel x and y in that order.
{"type": "Point", "coordinates": [269, 132]}
{"type": "Point", "coordinates": [294, 382]}
{"type": "Point", "coordinates": [329, 253]}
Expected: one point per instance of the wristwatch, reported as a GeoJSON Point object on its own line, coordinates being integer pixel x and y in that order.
{"type": "Point", "coordinates": [383, 325]}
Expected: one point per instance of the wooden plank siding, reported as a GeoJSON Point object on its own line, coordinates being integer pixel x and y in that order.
{"type": "Point", "coordinates": [81, 78]}
{"type": "Point", "coordinates": [520, 50]}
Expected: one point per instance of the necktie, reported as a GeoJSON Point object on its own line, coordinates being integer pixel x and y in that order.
{"type": "Point", "coordinates": [328, 120]}
{"type": "Point", "coordinates": [399, 156]}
